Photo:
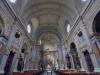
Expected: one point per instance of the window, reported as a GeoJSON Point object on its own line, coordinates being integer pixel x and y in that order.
{"type": "Point", "coordinates": [29, 28]}
{"type": "Point", "coordinates": [12, 1]}
{"type": "Point", "coordinates": [83, 0]}
{"type": "Point", "coordinates": [68, 28]}
{"type": "Point", "coordinates": [40, 42]}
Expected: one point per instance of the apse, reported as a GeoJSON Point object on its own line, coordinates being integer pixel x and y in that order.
{"type": "Point", "coordinates": [49, 41]}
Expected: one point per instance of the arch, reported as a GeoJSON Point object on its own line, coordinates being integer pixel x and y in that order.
{"type": "Point", "coordinates": [43, 34]}
{"type": "Point", "coordinates": [96, 23]}
{"type": "Point", "coordinates": [1, 19]}
{"type": "Point", "coordinates": [45, 29]}
{"type": "Point", "coordinates": [8, 66]}
{"type": "Point", "coordinates": [68, 59]}
{"type": "Point", "coordinates": [1, 25]}
{"type": "Point", "coordinates": [72, 46]}
{"type": "Point", "coordinates": [74, 53]}
{"type": "Point", "coordinates": [88, 61]}
{"type": "Point", "coordinates": [20, 64]}
{"type": "Point", "coordinates": [24, 48]}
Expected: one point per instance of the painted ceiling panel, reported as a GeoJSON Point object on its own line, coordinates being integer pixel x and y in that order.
{"type": "Point", "coordinates": [48, 19]}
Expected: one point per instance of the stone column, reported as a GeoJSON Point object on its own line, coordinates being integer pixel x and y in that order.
{"type": "Point", "coordinates": [33, 56]}
{"type": "Point", "coordinates": [14, 68]}
{"type": "Point", "coordinates": [17, 54]}
{"type": "Point", "coordinates": [87, 39]}
{"type": "Point", "coordinates": [10, 40]}
{"type": "Point", "coordinates": [60, 55]}
{"type": "Point", "coordinates": [80, 55]}
{"type": "Point", "coordinates": [64, 57]}
{"type": "Point", "coordinates": [37, 57]}
{"type": "Point", "coordinates": [84, 64]}
{"type": "Point", "coordinates": [31, 63]}
{"type": "Point", "coordinates": [25, 60]}
{"type": "Point", "coordinates": [58, 59]}
{"type": "Point", "coordinates": [72, 61]}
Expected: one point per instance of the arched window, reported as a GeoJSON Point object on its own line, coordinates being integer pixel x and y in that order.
{"type": "Point", "coordinates": [1, 32]}
{"type": "Point", "coordinates": [74, 53]}
{"type": "Point", "coordinates": [96, 30]}
{"type": "Point", "coordinates": [29, 28]}
{"type": "Point", "coordinates": [68, 28]}
{"type": "Point", "coordinates": [1, 25]}
{"type": "Point", "coordinates": [13, 1]}
{"type": "Point", "coordinates": [88, 61]}
{"type": "Point", "coordinates": [96, 23]}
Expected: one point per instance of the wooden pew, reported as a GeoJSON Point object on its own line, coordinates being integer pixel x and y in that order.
{"type": "Point", "coordinates": [71, 72]}
{"type": "Point", "coordinates": [33, 72]}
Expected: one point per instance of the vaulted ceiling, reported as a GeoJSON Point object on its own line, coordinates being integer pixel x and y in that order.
{"type": "Point", "coordinates": [50, 15]}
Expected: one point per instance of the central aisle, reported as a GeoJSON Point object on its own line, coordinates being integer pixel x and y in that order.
{"type": "Point", "coordinates": [48, 73]}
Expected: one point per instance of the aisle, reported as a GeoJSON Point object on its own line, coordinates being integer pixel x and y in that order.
{"type": "Point", "coordinates": [48, 73]}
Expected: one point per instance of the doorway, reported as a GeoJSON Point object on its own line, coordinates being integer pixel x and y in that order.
{"type": "Point", "coordinates": [74, 53]}
{"type": "Point", "coordinates": [88, 61]}
{"type": "Point", "coordinates": [8, 65]}
{"type": "Point", "coordinates": [96, 24]}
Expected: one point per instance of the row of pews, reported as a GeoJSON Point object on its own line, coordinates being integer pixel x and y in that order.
{"type": "Point", "coordinates": [33, 72]}
{"type": "Point", "coordinates": [72, 72]}
{"type": "Point", "coordinates": [58, 72]}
